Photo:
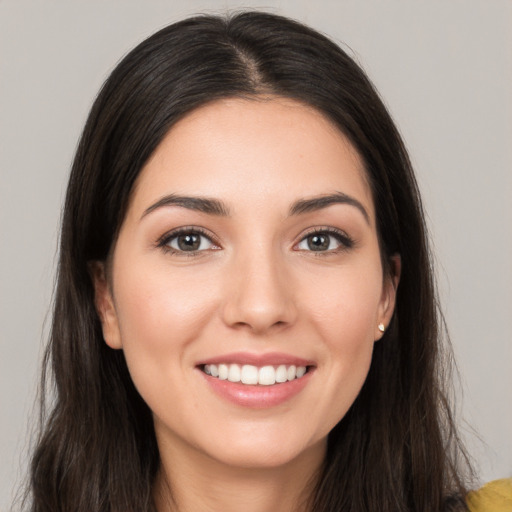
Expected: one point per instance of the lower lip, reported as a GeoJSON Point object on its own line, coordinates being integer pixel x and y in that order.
{"type": "Point", "coordinates": [257, 397]}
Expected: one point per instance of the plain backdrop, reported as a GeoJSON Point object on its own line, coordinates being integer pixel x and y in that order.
{"type": "Point", "coordinates": [444, 68]}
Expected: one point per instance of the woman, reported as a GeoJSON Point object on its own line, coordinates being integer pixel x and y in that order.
{"type": "Point", "coordinates": [245, 314]}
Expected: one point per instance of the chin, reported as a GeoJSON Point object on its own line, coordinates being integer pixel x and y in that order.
{"type": "Point", "coordinates": [268, 452]}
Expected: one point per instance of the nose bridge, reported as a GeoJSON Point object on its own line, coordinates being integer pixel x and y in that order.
{"type": "Point", "coordinates": [261, 292]}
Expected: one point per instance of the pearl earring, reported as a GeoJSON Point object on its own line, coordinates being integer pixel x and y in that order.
{"type": "Point", "coordinates": [381, 327]}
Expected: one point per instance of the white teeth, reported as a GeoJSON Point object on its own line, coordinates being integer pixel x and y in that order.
{"type": "Point", "coordinates": [252, 375]}
{"type": "Point", "coordinates": [249, 374]}
{"type": "Point", "coordinates": [234, 373]}
{"type": "Point", "coordinates": [223, 371]}
{"type": "Point", "coordinates": [267, 376]}
{"type": "Point", "coordinates": [281, 373]}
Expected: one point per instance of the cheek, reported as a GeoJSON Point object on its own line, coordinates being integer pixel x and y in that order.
{"type": "Point", "coordinates": [345, 304]}
{"type": "Point", "coordinates": [344, 312]}
{"type": "Point", "coordinates": [161, 305]}
{"type": "Point", "coordinates": [159, 314]}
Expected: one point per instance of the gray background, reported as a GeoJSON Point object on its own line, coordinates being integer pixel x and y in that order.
{"type": "Point", "coordinates": [444, 68]}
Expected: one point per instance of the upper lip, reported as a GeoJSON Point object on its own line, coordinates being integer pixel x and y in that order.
{"type": "Point", "coordinates": [265, 359]}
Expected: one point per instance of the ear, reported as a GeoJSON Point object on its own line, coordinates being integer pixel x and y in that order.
{"type": "Point", "coordinates": [388, 298]}
{"type": "Point", "coordinates": [104, 303]}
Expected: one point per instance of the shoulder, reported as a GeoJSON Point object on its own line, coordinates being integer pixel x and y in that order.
{"type": "Point", "coordinates": [493, 497]}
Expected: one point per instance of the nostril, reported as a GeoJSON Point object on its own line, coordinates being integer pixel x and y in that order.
{"type": "Point", "coordinates": [260, 296]}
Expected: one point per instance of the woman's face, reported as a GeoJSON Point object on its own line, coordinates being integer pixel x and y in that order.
{"type": "Point", "coordinates": [249, 251]}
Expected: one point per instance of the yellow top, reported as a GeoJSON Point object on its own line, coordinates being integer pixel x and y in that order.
{"type": "Point", "coordinates": [493, 497]}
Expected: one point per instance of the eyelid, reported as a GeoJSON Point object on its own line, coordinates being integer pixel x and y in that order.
{"type": "Point", "coordinates": [346, 241]}
{"type": "Point", "coordinates": [164, 240]}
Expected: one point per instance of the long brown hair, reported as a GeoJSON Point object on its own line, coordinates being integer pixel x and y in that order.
{"type": "Point", "coordinates": [396, 449]}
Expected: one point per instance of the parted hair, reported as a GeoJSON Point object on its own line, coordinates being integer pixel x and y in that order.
{"type": "Point", "coordinates": [396, 449]}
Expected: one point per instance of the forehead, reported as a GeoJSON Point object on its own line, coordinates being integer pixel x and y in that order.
{"type": "Point", "coordinates": [264, 150]}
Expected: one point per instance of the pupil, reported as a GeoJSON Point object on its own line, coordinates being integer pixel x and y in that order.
{"type": "Point", "coordinates": [188, 242]}
{"type": "Point", "coordinates": [318, 242]}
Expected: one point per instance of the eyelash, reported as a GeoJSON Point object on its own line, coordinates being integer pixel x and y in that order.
{"type": "Point", "coordinates": [345, 241]}
{"type": "Point", "coordinates": [163, 242]}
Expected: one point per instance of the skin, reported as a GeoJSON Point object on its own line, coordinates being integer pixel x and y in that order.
{"type": "Point", "coordinates": [256, 287]}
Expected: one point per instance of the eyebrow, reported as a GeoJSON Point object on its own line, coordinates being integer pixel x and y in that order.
{"type": "Point", "coordinates": [199, 204]}
{"type": "Point", "coordinates": [323, 201]}
{"type": "Point", "coordinates": [219, 208]}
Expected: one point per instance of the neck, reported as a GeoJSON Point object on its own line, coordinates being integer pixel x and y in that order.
{"type": "Point", "coordinates": [198, 482]}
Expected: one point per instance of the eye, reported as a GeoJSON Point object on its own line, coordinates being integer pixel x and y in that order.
{"type": "Point", "coordinates": [325, 241]}
{"type": "Point", "coordinates": [187, 241]}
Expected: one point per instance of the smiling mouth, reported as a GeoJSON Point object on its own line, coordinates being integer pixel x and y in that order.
{"type": "Point", "coordinates": [254, 375]}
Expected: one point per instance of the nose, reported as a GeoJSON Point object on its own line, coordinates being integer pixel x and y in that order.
{"type": "Point", "coordinates": [260, 296]}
